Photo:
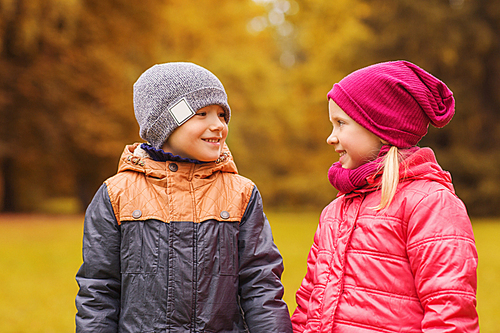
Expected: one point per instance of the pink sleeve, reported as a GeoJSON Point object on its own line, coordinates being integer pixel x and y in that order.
{"type": "Point", "coordinates": [443, 257]}
{"type": "Point", "coordinates": [299, 317]}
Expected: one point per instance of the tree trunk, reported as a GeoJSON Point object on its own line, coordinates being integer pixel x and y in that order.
{"type": "Point", "coordinates": [7, 192]}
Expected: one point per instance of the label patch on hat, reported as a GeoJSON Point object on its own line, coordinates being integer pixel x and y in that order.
{"type": "Point", "coordinates": [181, 111]}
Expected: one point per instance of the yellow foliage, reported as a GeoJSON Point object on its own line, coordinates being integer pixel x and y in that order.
{"type": "Point", "coordinates": [67, 69]}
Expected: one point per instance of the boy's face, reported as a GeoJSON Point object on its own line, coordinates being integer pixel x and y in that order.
{"type": "Point", "coordinates": [201, 137]}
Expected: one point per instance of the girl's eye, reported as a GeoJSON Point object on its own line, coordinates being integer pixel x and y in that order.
{"type": "Point", "coordinates": [341, 123]}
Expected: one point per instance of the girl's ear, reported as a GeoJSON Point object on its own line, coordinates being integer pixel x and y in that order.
{"type": "Point", "coordinates": [384, 142]}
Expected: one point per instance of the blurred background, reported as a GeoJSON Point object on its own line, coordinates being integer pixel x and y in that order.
{"type": "Point", "coordinates": [67, 68]}
{"type": "Point", "coordinates": [66, 73]}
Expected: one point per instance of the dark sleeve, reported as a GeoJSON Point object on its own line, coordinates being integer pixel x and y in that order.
{"type": "Point", "coordinates": [260, 269]}
{"type": "Point", "coordinates": [98, 298]}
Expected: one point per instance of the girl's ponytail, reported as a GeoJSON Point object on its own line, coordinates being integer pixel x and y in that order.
{"type": "Point", "coordinates": [390, 177]}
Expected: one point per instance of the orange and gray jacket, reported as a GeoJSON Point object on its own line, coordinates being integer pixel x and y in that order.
{"type": "Point", "coordinates": [179, 247]}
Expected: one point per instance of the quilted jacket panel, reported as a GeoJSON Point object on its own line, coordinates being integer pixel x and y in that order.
{"type": "Point", "coordinates": [192, 192]}
{"type": "Point", "coordinates": [409, 268]}
{"type": "Point", "coordinates": [179, 247]}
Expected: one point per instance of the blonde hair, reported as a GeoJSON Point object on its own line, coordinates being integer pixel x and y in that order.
{"type": "Point", "coordinates": [390, 177]}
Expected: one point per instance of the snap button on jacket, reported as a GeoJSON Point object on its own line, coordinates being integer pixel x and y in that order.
{"type": "Point", "coordinates": [179, 249]}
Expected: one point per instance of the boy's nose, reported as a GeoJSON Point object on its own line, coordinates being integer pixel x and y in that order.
{"type": "Point", "coordinates": [217, 124]}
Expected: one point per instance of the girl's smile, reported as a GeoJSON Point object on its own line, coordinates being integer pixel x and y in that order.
{"type": "Point", "coordinates": [355, 144]}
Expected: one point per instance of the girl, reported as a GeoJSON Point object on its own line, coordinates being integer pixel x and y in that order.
{"type": "Point", "coordinates": [395, 252]}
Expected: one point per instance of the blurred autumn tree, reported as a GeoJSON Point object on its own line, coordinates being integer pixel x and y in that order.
{"type": "Point", "coordinates": [66, 75]}
{"type": "Point", "coordinates": [456, 40]}
{"type": "Point", "coordinates": [67, 69]}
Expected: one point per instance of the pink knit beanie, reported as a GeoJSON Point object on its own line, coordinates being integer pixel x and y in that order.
{"type": "Point", "coordinates": [395, 100]}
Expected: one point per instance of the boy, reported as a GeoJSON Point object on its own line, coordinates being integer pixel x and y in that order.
{"type": "Point", "coordinates": [177, 241]}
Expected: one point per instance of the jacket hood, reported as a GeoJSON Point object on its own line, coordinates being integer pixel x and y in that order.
{"type": "Point", "coordinates": [134, 158]}
{"type": "Point", "coordinates": [420, 165]}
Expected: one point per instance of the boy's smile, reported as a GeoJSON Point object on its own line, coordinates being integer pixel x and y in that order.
{"type": "Point", "coordinates": [202, 137]}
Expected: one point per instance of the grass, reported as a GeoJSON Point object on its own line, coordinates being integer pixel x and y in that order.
{"type": "Point", "coordinates": [39, 257]}
{"type": "Point", "coordinates": [487, 234]}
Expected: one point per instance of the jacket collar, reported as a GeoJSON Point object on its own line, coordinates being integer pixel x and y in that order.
{"type": "Point", "coordinates": [421, 165]}
{"type": "Point", "coordinates": [134, 158]}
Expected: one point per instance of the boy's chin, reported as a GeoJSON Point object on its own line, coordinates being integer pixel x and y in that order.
{"type": "Point", "coordinates": [209, 158]}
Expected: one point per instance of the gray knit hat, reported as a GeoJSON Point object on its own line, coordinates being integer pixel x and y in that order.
{"type": "Point", "coordinates": [167, 95]}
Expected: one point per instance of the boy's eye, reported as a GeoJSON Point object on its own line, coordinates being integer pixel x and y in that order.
{"type": "Point", "coordinates": [202, 113]}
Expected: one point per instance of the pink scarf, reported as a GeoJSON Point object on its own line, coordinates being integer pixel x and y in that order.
{"type": "Point", "coordinates": [347, 180]}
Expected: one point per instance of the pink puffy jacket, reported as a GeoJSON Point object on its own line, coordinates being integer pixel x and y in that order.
{"type": "Point", "coordinates": [409, 268]}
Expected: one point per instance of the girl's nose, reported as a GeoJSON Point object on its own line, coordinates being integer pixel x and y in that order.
{"type": "Point", "coordinates": [332, 139]}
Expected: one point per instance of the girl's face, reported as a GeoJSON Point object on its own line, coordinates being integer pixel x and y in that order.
{"type": "Point", "coordinates": [201, 137]}
{"type": "Point", "coordinates": [355, 144]}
